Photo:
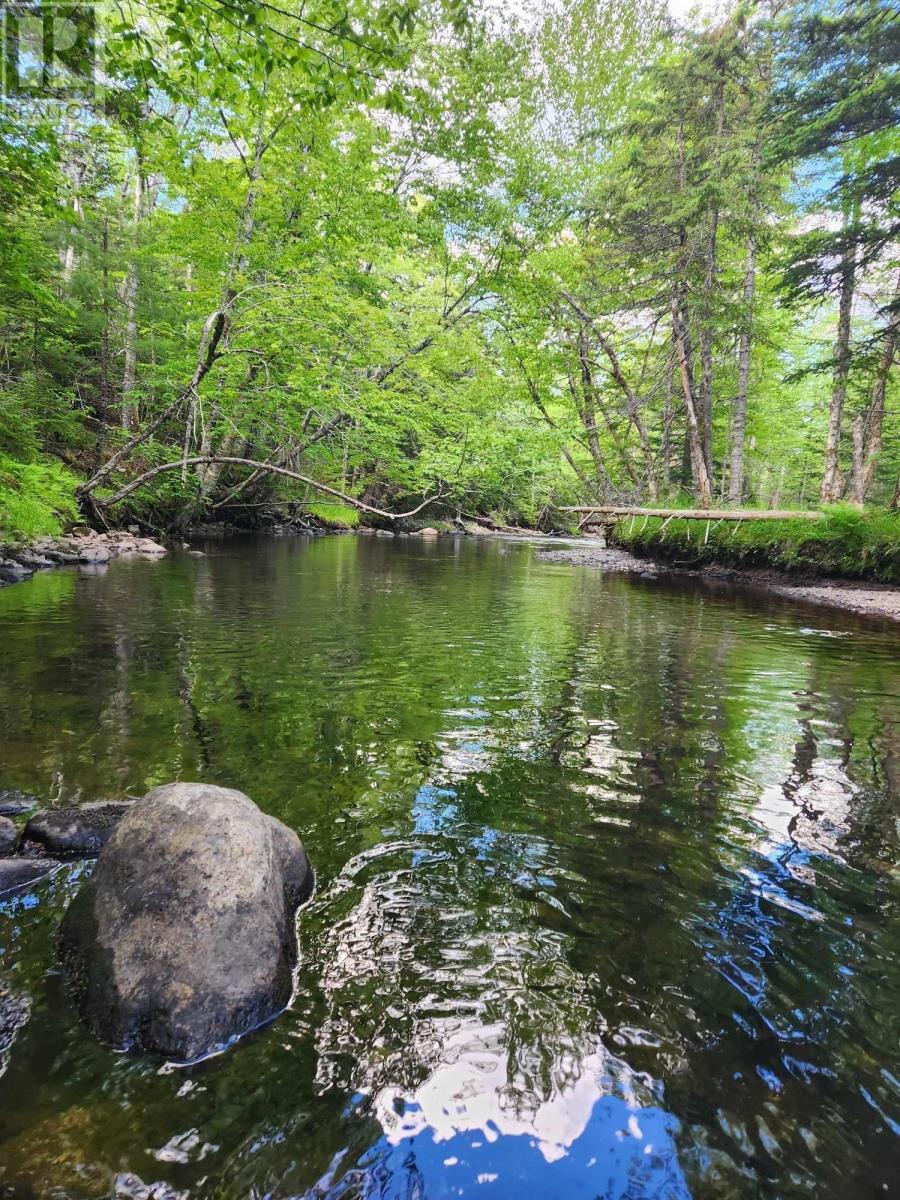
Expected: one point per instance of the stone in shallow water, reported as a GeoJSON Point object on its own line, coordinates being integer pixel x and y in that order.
{"type": "Point", "coordinates": [184, 937]}
{"type": "Point", "coordinates": [8, 835]}
{"type": "Point", "coordinates": [14, 1010]}
{"type": "Point", "coordinates": [12, 802]}
{"type": "Point", "coordinates": [19, 873]}
{"type": "Point", "coordinates": [76, 832]}
{"type": "Point", "coordinates": [131, 1187]}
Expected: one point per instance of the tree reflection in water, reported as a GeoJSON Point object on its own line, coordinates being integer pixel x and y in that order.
{"type": "Point", "coordinates": [605, 901]}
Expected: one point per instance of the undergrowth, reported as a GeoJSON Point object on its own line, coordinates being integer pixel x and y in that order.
{"type": "Point", "coordinates": [333, 513]}
{"type": "Point", "coordinates": [844, 542]}
{"type": "Point", "coordinates": [36, 499]}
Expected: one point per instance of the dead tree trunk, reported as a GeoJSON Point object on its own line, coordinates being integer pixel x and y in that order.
{"type": "Point", "coordinates": [667, 423]}
{"type": "Point", "coordinates": [632, 403]}
{"type": "Point", "coordinates": [130, 414]}
{"type": "Point", "coordinates": [699, 472]}
{"type": "Point", "coordinates": [874, 423]}
{"type": "Point", "coordinates": [74, 173]}
{"type": "Point", "coordinates": [709, 283]}
{"type": "Point", "coordinates": [739, 422]}
{"type": "Point", "coordinates": [213, 334]}
{"type": "Point", "coordinates": [535, 394]}
{"type": "Point", "coordinates": [592, 402]}
{"type": "Point", "coordinates": [831, 478]}
{"type": "Point", "coordinates": [208, 472]}
{"type": "Point", "coordinates": [681, 338]}
{"type": "Point", "coordinates": [587, 410]}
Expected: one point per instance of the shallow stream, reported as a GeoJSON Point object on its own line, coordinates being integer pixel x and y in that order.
{"type": "Point", "coordinates": [607, 890]}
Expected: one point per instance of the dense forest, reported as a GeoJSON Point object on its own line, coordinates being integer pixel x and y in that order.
{"type": "Point", "coordinates": [328, 259]}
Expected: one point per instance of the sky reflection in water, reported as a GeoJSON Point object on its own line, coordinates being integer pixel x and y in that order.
{"type": "Point", "coordinates": [605, 877]}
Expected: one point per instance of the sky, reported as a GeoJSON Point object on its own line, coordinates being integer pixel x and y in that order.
{"type": "Point", "coordinates": [681, 10]}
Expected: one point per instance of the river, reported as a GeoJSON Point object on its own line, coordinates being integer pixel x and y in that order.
{"type": "Point", "coordinates": [606, 894]}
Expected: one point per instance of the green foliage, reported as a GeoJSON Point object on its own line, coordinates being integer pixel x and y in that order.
{"type": "Point", "coordinates": [36, 498]}
{"type": "Point", "coordinates": [454, 247]}
{"type": "Point", "coordinates": [333, 513]}
{"type": "Point", "coordinates": [845, 542]}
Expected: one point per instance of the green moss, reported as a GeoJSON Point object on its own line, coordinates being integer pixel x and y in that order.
{"type": "Point", "coordinates": [845, 542]}
{"type": "Point", "coordinates": [36, 498]}
{"type": "Point", "coordinates": [332, 512]}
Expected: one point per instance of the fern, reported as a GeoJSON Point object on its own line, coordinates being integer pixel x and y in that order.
{"type": "Point", "coordinates": [36, 499]}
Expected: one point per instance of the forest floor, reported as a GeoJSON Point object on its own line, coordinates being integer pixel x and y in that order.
{"type": "Point", "coordinates": [865, 599]}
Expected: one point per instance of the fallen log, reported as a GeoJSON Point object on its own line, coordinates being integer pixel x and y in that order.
{"type": "Point", "coordinates": [697, 514]}
{"type": "Point", "coordinates": [260, 467]}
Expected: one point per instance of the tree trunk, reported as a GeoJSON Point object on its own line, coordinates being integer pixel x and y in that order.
{"type": "Point", "coordinates": [831, 479]}
{"type": "Point", "coordinates": [130, 415]}
{"type": "Point", "coordinates": [592, 402]}
{"type": "Point", "coordinates": [588, 413]}
{"type": "Point", "coordinates": [535, 394]}
{"type": "Point", "coordinates": [208, 472]}
{"type": "Point", "coordinates": [667, 424]}
{"type": "Point", "coordinates": [709, 283]}
{"type": "Point", "coordinates": [875, 418]}
{"type": "Point", "coordinates": [632, 403]}
{"type": "Point", "coordinates": [856, 478]}
{"type": "Point", "coordinates": [681, 339]}
{"type": "Point", "coordinates": [739, 423]}
{"type": "Point", "coordinates": [103, 390]}
{"type": "Point", "coordinates": [74, 173]}
{"type": "Point", "coordinates": [700, 475]}
{"type": "Point", "coordinates": [706, 345]}
{"type": "Point", "coordinates": [214, 333]}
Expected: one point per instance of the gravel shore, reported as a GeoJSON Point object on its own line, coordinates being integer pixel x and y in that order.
{"type": "Point", "coordinates": [872, 600]}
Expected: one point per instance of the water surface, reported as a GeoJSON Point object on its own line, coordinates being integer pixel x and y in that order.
{"type": "Point", "coordinates": [606, 903]}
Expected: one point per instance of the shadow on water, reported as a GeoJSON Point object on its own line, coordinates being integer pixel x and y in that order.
{"type": "Point", "coordinates": [606, 877]}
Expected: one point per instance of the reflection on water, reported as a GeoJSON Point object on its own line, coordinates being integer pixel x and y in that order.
{"type": "Point", "coordinates": [606, 878]}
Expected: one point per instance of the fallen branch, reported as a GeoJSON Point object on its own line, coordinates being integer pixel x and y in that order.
{"type": "Point", "coordinates": [214, 329]}
{"type": "Point", "coordinates": [697, 514]}
{"type": "Point", "coordinates": [266, 468]}
{"type": "Point", "coordinates": [322, 432]}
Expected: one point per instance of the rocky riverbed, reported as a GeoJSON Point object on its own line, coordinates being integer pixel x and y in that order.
{"type": "Point", "coordinates": [865, 599]}
{"type": "Point", "coordinates": [18, 563]}
{"type": "Point", "coordinates": [34, 843]}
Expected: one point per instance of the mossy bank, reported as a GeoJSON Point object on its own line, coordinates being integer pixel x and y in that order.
{"type": "Point", "coordinates": [845, 543]}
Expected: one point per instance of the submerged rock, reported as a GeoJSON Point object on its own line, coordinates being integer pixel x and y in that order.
{"type": "Point", "coordinates": [132, 1187]}
{"type": "Point", "coordinates": [12, 571]}
{"type": "Point", "coordinates": [19, 873]}
{"type": "Point", "coordinates": [74, 832]}
{"type": "Point", "coordinates": [14, 1010]}
{"type": "Point", "coordinates": [9, 835]}
{"type": "Point", "coordinates": [32, 560]}
{"type": "Point", "coordinates": [184, 937]}
{"type": "Point", "coordinates": [12, 802]}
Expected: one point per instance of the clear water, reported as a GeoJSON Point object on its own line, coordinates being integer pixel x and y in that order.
{"type": "Point", "coordinates": [606, 897]}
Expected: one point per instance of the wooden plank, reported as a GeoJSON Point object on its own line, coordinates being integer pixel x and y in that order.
{"type": "Point", "coordinates": [697, 514]}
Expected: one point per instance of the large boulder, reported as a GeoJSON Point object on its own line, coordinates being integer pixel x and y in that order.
{"type": "Point", "coordinates": [184, 937]}
{"type": "Point", "coordinates": [74, 832]}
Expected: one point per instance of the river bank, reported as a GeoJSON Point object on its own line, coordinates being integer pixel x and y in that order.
{"type": "Point", "coordinates": [79, 548]}
{"type": "Point", "coordinates": [862, 598]}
